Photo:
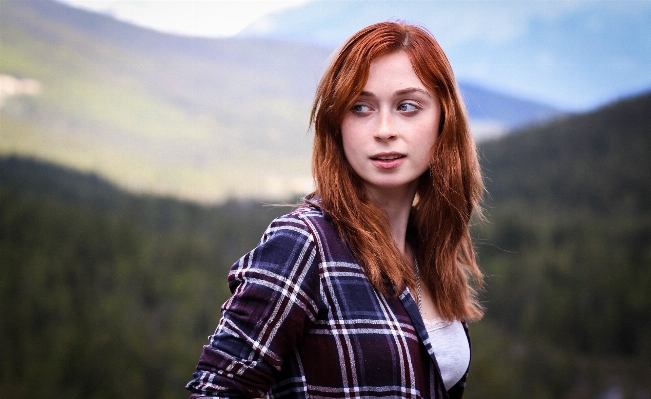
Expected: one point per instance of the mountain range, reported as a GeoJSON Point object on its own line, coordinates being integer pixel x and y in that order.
{"type": "Point", "coordinates": [574, 55]}
{"type": "Point", "coordinates": [93, 272]}
{"type": "Point", "coordinates": [203, 119]}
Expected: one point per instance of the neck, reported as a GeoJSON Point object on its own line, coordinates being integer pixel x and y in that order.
{"type": "Point", "coordinates": [397, 206]}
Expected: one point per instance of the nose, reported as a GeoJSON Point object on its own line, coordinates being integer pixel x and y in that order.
{"type": "Point", "coordinates": [386, 129]}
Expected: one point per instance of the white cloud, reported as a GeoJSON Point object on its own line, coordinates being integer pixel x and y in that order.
{"type": "Point", "coordinates": [210, 18]}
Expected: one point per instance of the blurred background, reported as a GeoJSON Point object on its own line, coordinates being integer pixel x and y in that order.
{"type": "Point", "coordinates": [141, 142]}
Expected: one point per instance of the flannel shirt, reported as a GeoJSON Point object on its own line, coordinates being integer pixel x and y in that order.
{"type": "Point", "coordinates": [305, 321]}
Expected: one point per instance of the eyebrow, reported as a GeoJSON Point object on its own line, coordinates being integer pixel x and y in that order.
{"type": "Point", "coordinates": [400, 92]}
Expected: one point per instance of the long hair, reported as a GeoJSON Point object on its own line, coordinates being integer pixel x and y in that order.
{"type": "Point", "coordinates": [447, 195]}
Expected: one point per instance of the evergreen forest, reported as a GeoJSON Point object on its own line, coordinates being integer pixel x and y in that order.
{"type": "Point", "coordinates": [109, 294]}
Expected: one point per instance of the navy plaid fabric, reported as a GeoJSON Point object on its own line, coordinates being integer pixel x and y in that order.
{"type": "Point", "coordinates": [304, 321]}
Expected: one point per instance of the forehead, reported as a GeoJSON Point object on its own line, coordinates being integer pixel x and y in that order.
{"type": "Point", "coordinates": [393, 70]}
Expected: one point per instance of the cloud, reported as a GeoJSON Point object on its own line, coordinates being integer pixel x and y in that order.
{"type": "Point", "coordinates": [206, 18]}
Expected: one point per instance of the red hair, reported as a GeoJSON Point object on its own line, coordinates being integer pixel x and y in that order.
{"type": "Point", "coordinates": [447, 195]}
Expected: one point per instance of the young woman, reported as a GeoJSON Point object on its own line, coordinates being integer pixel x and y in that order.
{"type": "Point", "coordinates": [365, 290]}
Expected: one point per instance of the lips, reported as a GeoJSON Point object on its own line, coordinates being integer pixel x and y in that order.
{"type": "Point", "coordinates": [388, 160]}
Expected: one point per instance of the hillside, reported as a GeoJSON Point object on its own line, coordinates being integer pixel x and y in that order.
{"type": "Point", "coordinates": [494, 114]}
{"type": "Point", "coordinates": [136, 280]}
{"type": "Point", "coordinates": [105, 294]}
{"type": "Point", "coordinates": [598, 162]}
{"type": "Point", "coordinates": [156, 112]}
{"type": "Point", "coordinates": [195, 118]}
{"type": "Point", "coordinates": [567, 250]}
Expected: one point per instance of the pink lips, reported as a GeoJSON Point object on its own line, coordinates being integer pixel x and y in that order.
{"type": "Point", "coordinates": [388, 160]}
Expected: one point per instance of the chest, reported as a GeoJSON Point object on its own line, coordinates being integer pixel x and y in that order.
{"type": "Point", "coordinates": [363, 339]}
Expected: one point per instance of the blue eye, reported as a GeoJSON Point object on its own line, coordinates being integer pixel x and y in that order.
{"type": "Point", "coordinates": [407, 107]}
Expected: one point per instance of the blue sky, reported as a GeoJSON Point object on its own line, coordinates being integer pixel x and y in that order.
{"type": "Point", "coordinates": [573, 54]}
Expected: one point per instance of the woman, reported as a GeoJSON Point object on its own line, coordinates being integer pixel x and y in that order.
{"type": "Point", "coordinates": [364, 291]}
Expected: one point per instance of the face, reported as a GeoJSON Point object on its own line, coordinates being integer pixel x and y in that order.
{"type": "Point", "coordinates": [391, 128]}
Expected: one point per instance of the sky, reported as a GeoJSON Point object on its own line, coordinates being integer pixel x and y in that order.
{"type": "Point", "coordinates": [571, 54]}
{"type": "Point", "coordinates": [206, 18]}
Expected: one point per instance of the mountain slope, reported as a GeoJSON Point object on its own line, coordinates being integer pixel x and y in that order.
{"type": "Point", "coordinates": [567, 251]}
{"type": "Point", "coordinates": [494, 114]}
{"type": "Point", "coordinates": [158, 112]}
{"type": "Point", "coordinates": [105, 294]}
{"type": "Point", "coordinates": [597, 161]}
{"type": "Point", "coordinates": [195, 118]}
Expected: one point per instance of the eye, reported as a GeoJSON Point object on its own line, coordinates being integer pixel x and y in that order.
{"type": "Point", "coordinates": [361, 109]}
{"type": "Point", "coordinates": [408, 107]}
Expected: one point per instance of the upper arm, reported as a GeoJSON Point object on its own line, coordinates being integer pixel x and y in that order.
{"type": "Point", "coordinates": [275, 299]}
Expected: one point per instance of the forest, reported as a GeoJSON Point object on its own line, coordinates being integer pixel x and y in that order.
{"type": "Point", "coordinates": [110, 294]}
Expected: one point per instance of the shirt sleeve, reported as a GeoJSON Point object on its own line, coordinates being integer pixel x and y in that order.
{"type": "Point", "coordinates": [276, 297]}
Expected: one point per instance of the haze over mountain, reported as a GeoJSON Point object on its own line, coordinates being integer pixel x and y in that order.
{"type": "Point", "coordinates": [573, 55]}
{"type": "Point", "coordinates": [197, 118]}
{"type": "Point", "coordinates": [205, 119]}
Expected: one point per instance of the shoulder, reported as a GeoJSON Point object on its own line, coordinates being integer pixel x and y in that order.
{"type": "Point", "coordinates": [290, 227]}
{"type": "Point", "coordinates": [302, 242]}
{"type": "Point", "coordinates": [298, 220]}
{"type": "Point", "coordinates": [304, 238]}
{"type": "Point", "coordinates": [289, 242]}
{"type": "Point", "coordinates": [308, 220]}
{"type": "Point", "coordinates": [330, 244]}
{"type": "Point", "coordinates": [286, 260]}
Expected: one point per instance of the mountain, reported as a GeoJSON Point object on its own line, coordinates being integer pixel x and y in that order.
{"type": "Point", "coordinates": [567, 249]}
{"type": "Point", "coordinates": [574, 55]}
{"type": "Point", "coordinates": [104, 293]}
{"type": "Point", "coordinates": [196, 118]}
{"type": "Point", "coordinates": [202, 119]}
{"type": "Point", "coordinates": [494, 114]}
{"type": "Point", "coordinates": [136, 280]}
{"type": "Point", "coordinates": [596, 162]}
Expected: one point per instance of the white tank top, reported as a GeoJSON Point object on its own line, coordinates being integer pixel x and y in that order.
{"type": "Point", "coordinates": [451, 348]}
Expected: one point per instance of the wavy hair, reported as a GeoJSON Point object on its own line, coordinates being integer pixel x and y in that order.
{"type": "Point", "coordinates": [448, 194]}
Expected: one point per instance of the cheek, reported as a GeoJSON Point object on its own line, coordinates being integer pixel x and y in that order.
{"type": "Point", "coordinates": [349, 139]}
{"type": "Point", "coordinates": [427, 142]}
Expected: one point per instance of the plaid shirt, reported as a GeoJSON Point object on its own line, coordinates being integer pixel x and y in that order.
{"type": "Point", "coordinates": [304, 321]}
